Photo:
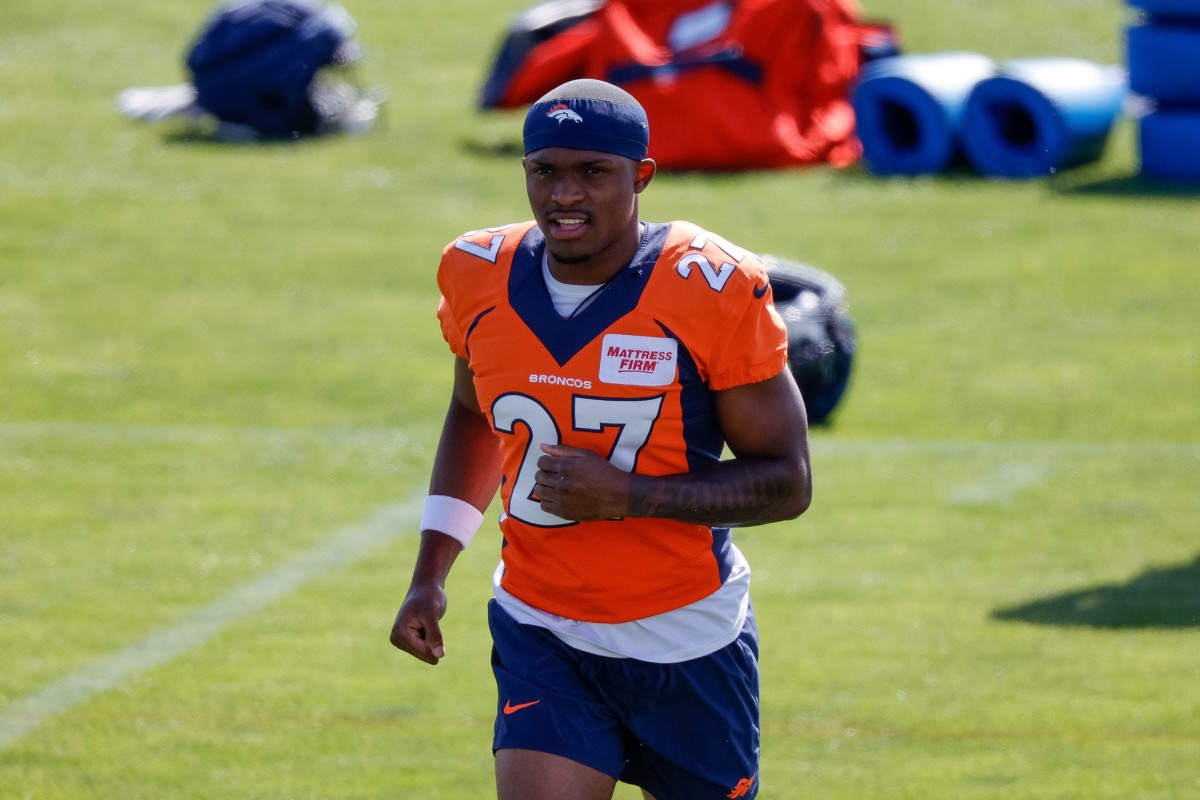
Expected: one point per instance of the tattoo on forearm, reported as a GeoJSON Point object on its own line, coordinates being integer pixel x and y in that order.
{"type": "Point", "coordinates": [724, 497]}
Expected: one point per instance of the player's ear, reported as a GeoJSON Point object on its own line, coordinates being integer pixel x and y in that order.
{"type": "Point", "coordinates": [645, 172]}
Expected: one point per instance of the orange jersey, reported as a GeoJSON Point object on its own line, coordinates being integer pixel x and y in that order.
{"type": "Point", "coordinates": [630, 377]}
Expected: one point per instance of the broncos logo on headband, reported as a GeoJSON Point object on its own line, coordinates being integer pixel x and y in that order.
{"type": "Point", "coordinates": [562, 112]}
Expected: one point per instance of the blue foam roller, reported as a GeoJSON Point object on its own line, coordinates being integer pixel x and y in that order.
{"type": "Point", "coordinates": [1179, 9]}
{"type": "Point", "coordinates": [1170, 145]}
{"type": "Point", "coordinates": [1164, 61]}
{"type": "Point", "coordinates": [908, 109]}
{"type": "Point", "coordinates": [1040, 115]}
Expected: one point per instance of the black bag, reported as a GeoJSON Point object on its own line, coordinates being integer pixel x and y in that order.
{"type": "Point", "coordinates": [821, 335]}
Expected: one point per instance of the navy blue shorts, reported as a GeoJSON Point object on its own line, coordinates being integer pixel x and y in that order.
{"type": "Point", "coordinates": [686, 731]}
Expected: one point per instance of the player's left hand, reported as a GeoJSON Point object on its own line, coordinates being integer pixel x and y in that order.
{"type": "Point", "coordinates": [578, 484]}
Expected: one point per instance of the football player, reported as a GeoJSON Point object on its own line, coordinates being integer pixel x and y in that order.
{"type": "Point", "coordinates": [603, 365]}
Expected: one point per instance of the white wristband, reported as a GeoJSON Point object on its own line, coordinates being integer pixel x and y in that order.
{"type": "Point", "coordinates": [456, 518]}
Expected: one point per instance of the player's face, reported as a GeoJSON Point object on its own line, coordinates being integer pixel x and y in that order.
{"type": "Point", "coordinates": [585, 202]}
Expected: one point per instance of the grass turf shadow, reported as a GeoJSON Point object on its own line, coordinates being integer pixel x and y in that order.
{"type": "Point", "coordinates": [1129, 186]}
{"type": "Point", "coordinates": [1168, 597]}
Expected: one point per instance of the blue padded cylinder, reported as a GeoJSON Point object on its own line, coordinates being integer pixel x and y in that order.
{"type": "Point", "coordinates": [1179, 9]}
{"type": "Point", "coordinates": [1164, 61]}
{"type": "Point", "coordinates": [1169, 142]}
{"type": "Point", "coordinates": [1039, 115]}
{"type": "Point", "coordinates": [908, 109]}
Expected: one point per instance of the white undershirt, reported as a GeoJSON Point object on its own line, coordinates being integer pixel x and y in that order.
{"type": "Point", "coordinates": [694, 630]}
{"type": "Point", "coordinates": [568, 298]}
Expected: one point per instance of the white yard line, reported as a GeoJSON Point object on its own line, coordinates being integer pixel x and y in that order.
{"type": "Point", "coordinates": [1004, 484]}
{"type": "Point", "coordinates": [1011, 450]}
{"type": "Point", "coordinates": [197, 434]}
{"type": "Point", "coordinates": [23, 715]}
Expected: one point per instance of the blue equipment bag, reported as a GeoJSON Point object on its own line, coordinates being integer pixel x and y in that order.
{"type": "Point", "coordinates": [254, 62]}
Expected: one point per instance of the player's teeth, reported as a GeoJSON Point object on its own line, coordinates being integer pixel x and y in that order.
{"type": "Point", "coordinates": [570, 222]}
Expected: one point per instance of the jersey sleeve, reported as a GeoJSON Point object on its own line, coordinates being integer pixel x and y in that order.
{"type": "Point", "coordinates": [451, 331]}
{"type": "Point", "coordinates": [753, 342]}
{"type": "Point", "coordinates": [472, 277]}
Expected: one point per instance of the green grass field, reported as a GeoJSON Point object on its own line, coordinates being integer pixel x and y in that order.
{"type": "Point", "coordinates": [221, 383]}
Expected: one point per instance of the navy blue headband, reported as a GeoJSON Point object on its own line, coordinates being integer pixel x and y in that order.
{"type": "Point", "coordinates": [587, 124]}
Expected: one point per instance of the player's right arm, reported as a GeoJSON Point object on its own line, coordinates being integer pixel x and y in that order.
{"type": "Point", "coordinates": [467, 467]}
